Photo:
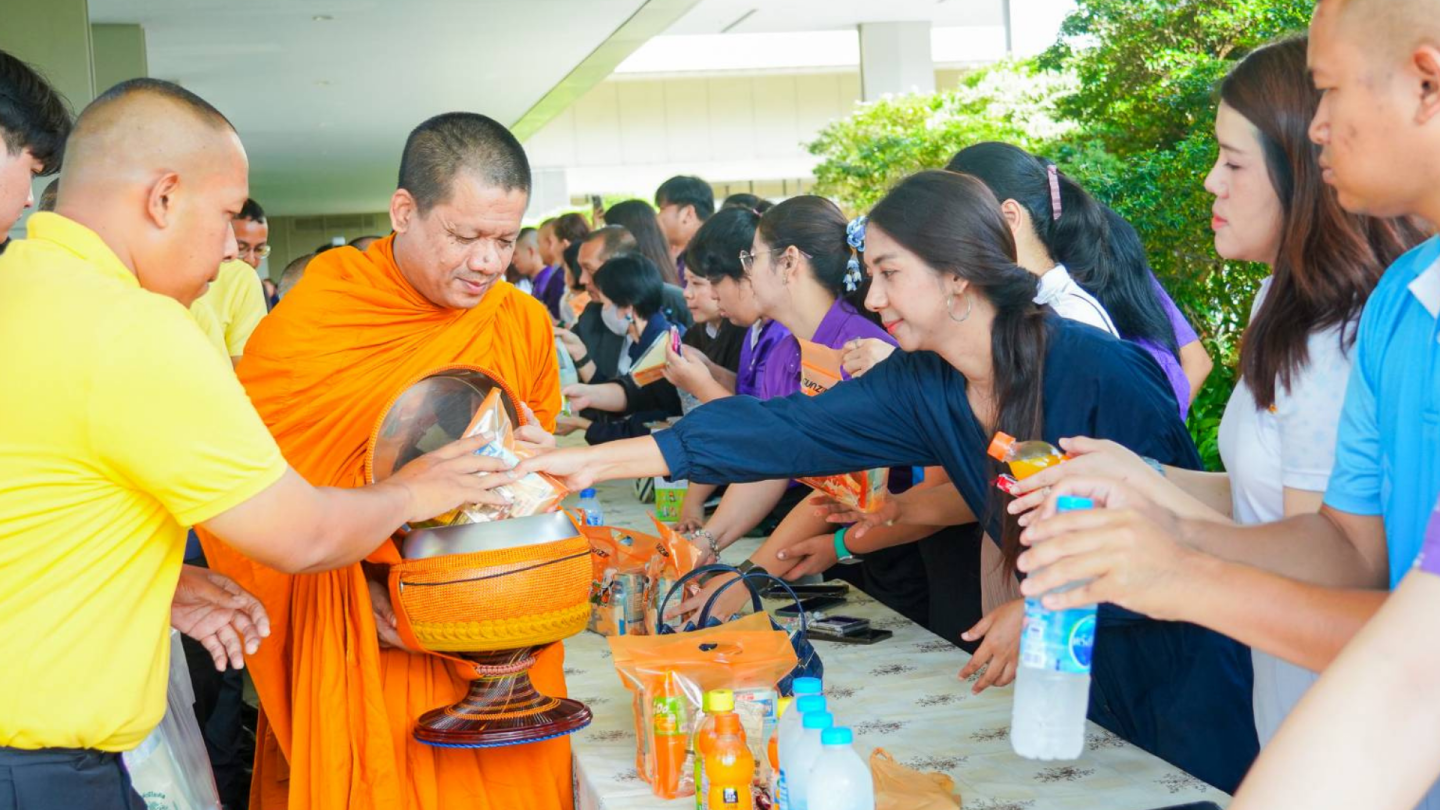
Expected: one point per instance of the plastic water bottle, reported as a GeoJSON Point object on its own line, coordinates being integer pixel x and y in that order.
{"type": "Point", "coordinates": [568, 375]}
{"type": "Point", "coordinates": [797, 775]}
{"type": "Point", "coordinates": [840, 779]}
{"type": "Point", "coordinates": [590, 506]}
{"type": "Point", "coordinates": [1052, 686]}
{"type": "Point", "coordinates": [790, 729]}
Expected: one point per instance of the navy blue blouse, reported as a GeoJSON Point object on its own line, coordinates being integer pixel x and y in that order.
{"type": "Point", "coordinates": [1177, 690]}
{"type": "Point", "coordinates": [911, 410]}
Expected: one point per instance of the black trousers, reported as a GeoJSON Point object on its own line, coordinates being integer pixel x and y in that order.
{"type": "Point", "coordinates": [65, 779]}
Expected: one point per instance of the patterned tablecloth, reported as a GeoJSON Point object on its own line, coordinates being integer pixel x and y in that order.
{"type": "Point", "coordinates": [901, 694]}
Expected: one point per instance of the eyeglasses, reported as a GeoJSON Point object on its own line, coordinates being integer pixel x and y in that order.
{"type": "Point", "coordinates": [747, 259]}
{"type": "Point", "coordinates": [260, 251]}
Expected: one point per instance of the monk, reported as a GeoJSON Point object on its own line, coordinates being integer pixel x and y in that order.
{"type": "Point", "coordinates": [339, 695]}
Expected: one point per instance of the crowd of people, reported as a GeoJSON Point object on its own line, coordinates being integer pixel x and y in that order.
{"type": "Point", "coordinates": [1281, 609]}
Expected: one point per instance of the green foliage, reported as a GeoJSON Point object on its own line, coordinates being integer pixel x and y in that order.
{"type": "Point", "coordinates": [1124, 102]}
{"type": "Point", "coordinates": [883, 141]}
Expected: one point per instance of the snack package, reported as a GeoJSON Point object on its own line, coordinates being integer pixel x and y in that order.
{"type": "Point", "coordinates": [669, 498]}
{"type": "Point", "coordinates": [650, 368]}
{"type": "Point", "coordinates": [674, 557]}
{"type": "Point", "coordinates": [746, 655]}
{"type": "Point", "coordinates": [865, 490]}
{"type": "Point", "coordinates": [618, 584]}
{"type": "Point", "coordinates": [532, 495]}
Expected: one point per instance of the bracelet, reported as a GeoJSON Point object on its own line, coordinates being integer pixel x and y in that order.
{"type": "Point", "coordinates": [709, 540]}
{"type": "Point", "coordinates": [1155, 465]}
{"type": "Point", "coordinates": [582, 362]}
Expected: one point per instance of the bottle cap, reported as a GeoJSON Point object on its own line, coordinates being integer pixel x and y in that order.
{"type": "Point", "coordinates": [837, 736]}
{"type": "Point", "coordinates": [1071, 503]}
{"type": "Point", "coordinates": [588, 492]}
{"type": "Point", "coordinates": [781, 706]}
{"type": "Point", "coordinates": [1000, 445]}
{"type": "Point", "coordinates": [806, 686]}
{"type": "Point", "coordinates": [719, 700]}
{"type": "Point", "coordinates": [818, 720]}
{"type": "Point", "coordinates": [810, 703]}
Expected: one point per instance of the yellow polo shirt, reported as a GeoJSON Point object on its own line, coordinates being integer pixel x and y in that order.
{"type": "Point", "coordinates": [118, 426]}
{"type": "Point", "coordinates": [229, 312]}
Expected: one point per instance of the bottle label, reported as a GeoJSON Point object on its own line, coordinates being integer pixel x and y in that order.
{"type": "Point", "coordinates": [1058, 640]}
{"type": "Point", "coordinates": [782, 794]}
{"type": "Point", "coordinates": [730, 797]}
{"type": "Point", "coordinates": [669, 716]}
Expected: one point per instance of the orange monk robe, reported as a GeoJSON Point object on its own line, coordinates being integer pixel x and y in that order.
{"type": "Point", "coordinates": [321, 369]}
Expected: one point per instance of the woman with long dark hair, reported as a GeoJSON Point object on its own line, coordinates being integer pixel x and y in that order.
{"type": "Point", "coordinates": [1070, 240]}
{"type": "Point", "coordinates": [637, 217]}
{"type": "Point", "coordinates": [1278, 434]}
{"type": "Point", "coordinates": [980, 357]}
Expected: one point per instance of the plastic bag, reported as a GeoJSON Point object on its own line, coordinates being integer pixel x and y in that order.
{"type": "Point", "coordinates": [900, 788]}
{"type": "Point", "coordinates": [820, 369]}
{"type": "Point", "coordinates": [618, 586]}
{"type": "Point", "coordinates": [532, 495]}
{"type": "Point", "coordinates": [668, 675]}
{"type": "Point", "coordinates": [674, 557]}
{"type": "Point", "coordinates": [170, 769]}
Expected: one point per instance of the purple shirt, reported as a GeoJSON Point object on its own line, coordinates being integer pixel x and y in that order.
{"type": "Point", "coordinates": [1429, 559]}
{"type": "Point", "coordinates": [1169, 363]}
{"type": "Point", "coordinates": [842, 323]}
{"type": "Point", "coordinates": [755, 354]}
{"type": "Point", "coordinates": [549, 287]}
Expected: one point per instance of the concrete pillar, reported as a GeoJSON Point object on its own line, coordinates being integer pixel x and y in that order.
{"type": "Point", "coordinates": [53, 36]}
{"type": "Point", "coordinates": [895, 58]}
{"type": "Point", "coordinates": [118, 52]}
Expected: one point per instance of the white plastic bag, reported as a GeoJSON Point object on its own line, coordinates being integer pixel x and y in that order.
{"type": "Point", "coordinates": [170, 769]}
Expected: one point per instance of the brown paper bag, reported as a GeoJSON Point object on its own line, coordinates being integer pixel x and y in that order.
{"type": "Point", "coordinates": [900, 788]}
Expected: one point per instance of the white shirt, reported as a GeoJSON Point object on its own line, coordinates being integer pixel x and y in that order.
{"type": "Point", "coordinates": [525, 285]}
{"type": "Point", "coordinates": [1290, 445]}
{"type": "Point", "coordinates": [1069, 300]}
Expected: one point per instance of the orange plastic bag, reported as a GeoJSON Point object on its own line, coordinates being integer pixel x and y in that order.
{"type": "Point", "coordinates": [865, 490]}
{"type": "Point", "coordinates": [532, 495]}
{"type": "Point", "coordinates": [900, 788]}
{"type": "Point", "coordinates": [674, 557]}
{"type": "Point", "coordinates": [618, 585]}
{"type": "Point", "coordinates": [669, 674]}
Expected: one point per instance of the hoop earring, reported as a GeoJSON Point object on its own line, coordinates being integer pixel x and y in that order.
{"type": "Point", "coordinates": [969, 307]}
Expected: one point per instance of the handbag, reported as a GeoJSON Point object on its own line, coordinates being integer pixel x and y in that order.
{"type": "Point", "coordinates": [809, 664]}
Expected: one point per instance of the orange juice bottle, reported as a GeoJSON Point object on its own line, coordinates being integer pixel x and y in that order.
{"type": "Point", "coordinates": [772, 749]}
{"type": "Point", "coordinates": [670, 738]}
{"type": "Point", "coordinates": [730, 767]}
{"type": "Point", "coordinates": [716, 702]}
{"type": "Point", "coordinates": [1025, 458]}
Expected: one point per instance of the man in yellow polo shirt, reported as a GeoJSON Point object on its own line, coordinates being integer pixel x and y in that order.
{"type": "Point", "coordinates": [231, 310]}
{"type": "Point", "coordinates": [121, 426]}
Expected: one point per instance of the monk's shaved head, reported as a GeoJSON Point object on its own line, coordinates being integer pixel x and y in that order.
{"type": "Point", "coordinates": [448, 145]}
{"type": "Point", "coordinates": [158, 173]}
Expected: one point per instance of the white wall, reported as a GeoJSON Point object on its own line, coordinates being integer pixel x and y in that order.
{"type": "Point", "coordinates": [629, 135]}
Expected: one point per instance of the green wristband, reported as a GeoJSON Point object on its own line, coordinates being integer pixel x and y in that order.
{"type": "Point", "coordinates": [841, 552]}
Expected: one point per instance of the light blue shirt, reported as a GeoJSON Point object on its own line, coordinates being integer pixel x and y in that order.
{"type": "Point", "coordinates": [1387, 461]}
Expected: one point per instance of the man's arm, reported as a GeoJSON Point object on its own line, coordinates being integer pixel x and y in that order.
{"type": "Point", "coordinates": [296, 528]}
{"type": "Point", "coordinates": [1364, 735]}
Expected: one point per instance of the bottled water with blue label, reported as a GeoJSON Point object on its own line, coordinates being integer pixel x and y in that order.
{"type": "Point", "coordinates": [1052, 686]}
{"type": "Point", "coordinates": [590, 506]}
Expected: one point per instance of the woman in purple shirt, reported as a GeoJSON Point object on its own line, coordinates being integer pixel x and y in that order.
{"type": "Point", "coordinates": [793, 282]}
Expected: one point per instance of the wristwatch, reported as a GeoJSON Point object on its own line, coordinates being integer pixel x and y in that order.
{"type": "Point", "coordinates": [842, 554]}
{"type": "Point", "coordinates": [748, 567]}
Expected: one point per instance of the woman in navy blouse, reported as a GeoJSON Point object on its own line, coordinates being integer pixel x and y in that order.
{"type": "Point", "coordinates": [980, 357]}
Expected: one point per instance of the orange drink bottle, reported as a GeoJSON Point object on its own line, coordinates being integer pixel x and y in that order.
{"type": "Point", "coordinates": [1024, 458]}
{"type": "Point", "coordinates": [671, 738]}
{"type": "Point", "coordinates": [716, 702]}
{"type": "Point", "coordinates": [772, 749]}
{"type": "Point", "coordinates": [730, 767]}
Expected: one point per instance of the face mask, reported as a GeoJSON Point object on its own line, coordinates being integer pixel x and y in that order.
{"type": "Point", "coordinates": [614, 321]}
